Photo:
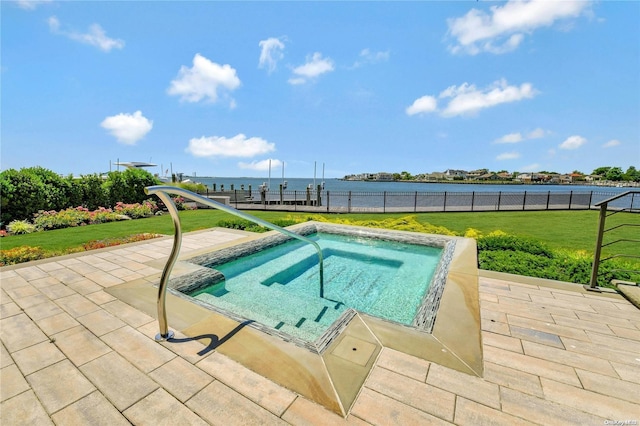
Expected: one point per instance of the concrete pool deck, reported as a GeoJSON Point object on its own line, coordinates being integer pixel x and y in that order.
{"type": "Point", "coordinates": [72, 353]}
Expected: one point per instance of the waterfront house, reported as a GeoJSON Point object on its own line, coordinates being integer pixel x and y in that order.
{"type": "Point", "coordinates": [384, 176]}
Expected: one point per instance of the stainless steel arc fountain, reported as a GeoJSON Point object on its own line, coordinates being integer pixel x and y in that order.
{"type": "Point", "coordinates": [163, 192]}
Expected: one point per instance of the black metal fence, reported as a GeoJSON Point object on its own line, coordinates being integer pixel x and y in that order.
{"type": "Point", "coordinates": [321, 201]}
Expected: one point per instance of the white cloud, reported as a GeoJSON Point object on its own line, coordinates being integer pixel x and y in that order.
{"type": "Point", "coordinates": [262, 165]}
{"type": "Point", "coordinates": [54, 24]}
{"type": "Point", "coordinates": [510, 138]}
{"type": "Point", "coordinates": [504, 27]}
{"type": "Point", "coordinates": [518, 137]}
{"type": "Point", "coordinates": [96, 36]}
{"type": "Point", "coordinates": [423, 105]}
{"type": "Point", "coordinates": [31, 4]}
{"type": "Point", "coordinates": [128, 128]}
{"type": "Point", "coordinates": [368, 57]}
{"type": "Point", "coordinates": [270, 54]}
{"type": "Point", "coordinates": [316, 65]}
{"type": "Point", "coordinates": [537, 133]}
{"type": "Point", "coordinates": [203, 80]}
{"type": "Point", "coordinates": [611, 143]}
{"type": "Point", "coordinates": [508, 156]}
{"type": "Point", "coordinates": [296, 81]}
{"type": "Point", "coordinates": [467, 99]}
{"type": "Point", "coordinates": [573, 142]}
{"type": "Point", "coordinates": [236, 146]}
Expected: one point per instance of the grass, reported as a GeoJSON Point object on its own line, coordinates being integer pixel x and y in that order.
{"type": "Point", "coordinates": [573, 230]}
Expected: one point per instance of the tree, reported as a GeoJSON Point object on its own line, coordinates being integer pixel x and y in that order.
{"type": "Point", "coordinates": [614, 174]}
{"type": "Point", "coordinates": [601, 171]}
{"type": "Point", "coordinates": [632, 175]}
{"type": "Point", "coordinates": [406, 176]}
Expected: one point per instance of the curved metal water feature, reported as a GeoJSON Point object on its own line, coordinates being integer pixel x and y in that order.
{"type": "Point", "coordinates": [163, 191]}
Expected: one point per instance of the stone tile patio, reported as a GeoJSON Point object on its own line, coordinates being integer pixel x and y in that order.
{"type": "Point", "coordinates": [73, 354]}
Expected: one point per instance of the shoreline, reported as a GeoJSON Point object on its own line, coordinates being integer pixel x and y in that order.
{"type": "Point", "coordinates": [502, 182]}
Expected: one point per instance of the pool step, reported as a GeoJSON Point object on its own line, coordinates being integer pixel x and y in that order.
{"type": "Point", "coordinates": [292, 272]}
{"type": "Point", "coordinates": [267, 303]}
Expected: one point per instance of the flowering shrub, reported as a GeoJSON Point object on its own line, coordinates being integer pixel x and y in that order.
{"type": "Point", "coordinates": [102, 215]}
{"type": "Point", "coordinates": [46, 220]}
{"type": "Point", "coordinates": [20, 227]}
{"type": "Point", "coordinates": [20, 254]}
{"type": "Point", "coordinates": [179, 202]}
{"type": "Point", "coordinates": [135, 211]}
{"type": "Point", "coordinates": [79, 216]}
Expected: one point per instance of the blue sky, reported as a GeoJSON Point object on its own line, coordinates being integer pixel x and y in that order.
{"type": "Point", "coordinates": [222, 88]}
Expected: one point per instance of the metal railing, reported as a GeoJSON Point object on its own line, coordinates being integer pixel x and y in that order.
{"type": "Point", "coordinates": [325, 201]}
{"type": "Point", "coordinates": [604, 214]}
{"type": "Point", "coordinates": [163, 193]}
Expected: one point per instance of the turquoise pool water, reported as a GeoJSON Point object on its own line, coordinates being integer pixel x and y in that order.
{"type": "Point", "coordinates": [279, 287]}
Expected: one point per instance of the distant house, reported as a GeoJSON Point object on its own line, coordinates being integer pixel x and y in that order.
{"type": "Point", "coordinates": [593, 178]}
{"type": "Point", "coordinates": [524, 177]}
{"type": "Point", "coordinates": [384, 176]}
{"type": "Point", "coordinates": [452, 173]}
{"type": "Point", "coordinates": [565, 178]}
{"type": "Point", "coordinates": [505, 176]}
{"type": "Point", "coordinates": [577, 177]}
{"type": "Point", "coordinates": [475, 174]}
{"type": "Point", "coordinates": [434, 176]}
{"type": "Point", "coordinates": [532, 177]}
{"type": "Point", "coordinates": [554, 178]}
{"type": "Point", "coordinates": [488, 176]}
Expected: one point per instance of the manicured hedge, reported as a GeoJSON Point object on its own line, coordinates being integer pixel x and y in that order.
{"type": "Point", "coordinates": [27, 191]}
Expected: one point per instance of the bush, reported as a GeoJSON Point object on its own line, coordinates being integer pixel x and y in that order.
{"type": "Point", "coordinates": [21, 195]}
{"type": "Point", "coordinates": [78, 216]}
{"type": "Point", "coordinates": [198, 188]}
{"type": "Point", "coordinates": [19, 227]}
{"type": "Point", "coordinates": [501, 241]}
{"type": "Point", "coordinates": [102, 215]}
{"type": "Point", "coordinates": [405, 223]}
{"type": "Point", "coordinates": [517, 262]}
{"type": "Point", "coordinates": [56, 190]}
{"type": "Point", "coordinates": [30, 190]}
{"type": "Point", "coordinates": [522, 256]}
{"type": "Point", "coordinates": [47, 220]}
{"type": "Point", "coordinates": [472, 233]}
{"type": "Point", "coordinates": [20, 255]}
{"type": "Point", "coordinates": [128, 186]}
{"type": "Point", "coordinates": [93, 194]}
{"type": "Point", "coordinates": [242, 224]}
{"type": "Point", "coordinates": [136, 211]}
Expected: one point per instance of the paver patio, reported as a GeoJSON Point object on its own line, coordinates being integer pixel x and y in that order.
{"type": "Point", "coordinates": [73, 354]}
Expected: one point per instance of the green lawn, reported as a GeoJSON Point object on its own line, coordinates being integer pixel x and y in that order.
{"type": "Point", "coordinates": [574, 230]}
